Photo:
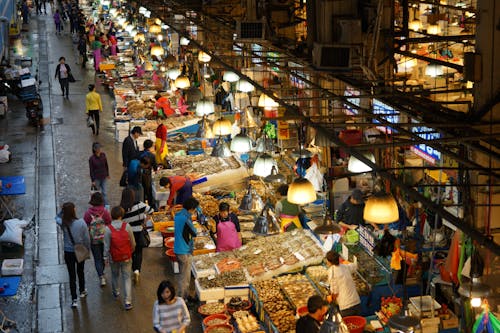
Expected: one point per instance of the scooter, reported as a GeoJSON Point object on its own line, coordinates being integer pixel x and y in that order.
{"type": "Point", "coordinates": [34, 111]}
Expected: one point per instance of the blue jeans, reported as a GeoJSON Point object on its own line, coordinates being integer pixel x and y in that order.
{"type": "Point", "coordinates": [98, 254]}
{"type": "Point", "coordinates": [101, 186]}
{"type": "Point", "coordinates": [123, 268]}
{"type": "Point", "coordinates": [185, 261]}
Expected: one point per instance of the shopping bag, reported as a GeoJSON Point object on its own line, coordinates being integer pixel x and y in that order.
{"type": "Point", "coordinates": [71, 78]}
{"type": "Point", "coordinates": [90, 121]}
{"type": "Point", "coordinates": [124, 179]}
{"type": "Point", "coordinates": [81, 252]}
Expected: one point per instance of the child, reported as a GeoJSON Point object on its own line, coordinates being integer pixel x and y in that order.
{"type": "Point", "coordinates": [169, 311]}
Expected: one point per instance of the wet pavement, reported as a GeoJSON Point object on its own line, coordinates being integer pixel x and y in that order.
{"type": "Point", "coordinates": [54, 162]}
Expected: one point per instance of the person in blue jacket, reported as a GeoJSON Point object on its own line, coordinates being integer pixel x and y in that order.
{"type": "Point", "coordinates": [184, 233]}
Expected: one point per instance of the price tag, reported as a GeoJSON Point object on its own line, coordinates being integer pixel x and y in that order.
{"type": "Point", "coordinates": [345, 252]}
{"type": "Point", "coordinates": [298, 256]}
{"type": "Point", "coordinates": [256, 252]}
{"type": "Point", "coordinates": [294, 232]}
{"type": "Point", "coordinates": [210, 277]}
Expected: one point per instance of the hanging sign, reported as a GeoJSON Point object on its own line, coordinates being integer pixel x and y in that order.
{"type": "Point", "coordinates": [348, 109]}
{"type": "Point", "coordinates": [387, 113]}
{"type": "Point", "coordinates": [426, 152]}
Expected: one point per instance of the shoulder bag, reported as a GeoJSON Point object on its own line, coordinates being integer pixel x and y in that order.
{"type": "Point", "coordinates": [81, 251]}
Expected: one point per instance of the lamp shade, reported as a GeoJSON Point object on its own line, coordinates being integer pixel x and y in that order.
{"type": "Point", "coordinates": [204, 107]}
{"type": "Point", "coordinates": [275, 177]}
{"type": "Point", "coordinates": [415, 25]}
{"type": "Point", "coordinates": [328, 227]}
{"type": "Point", "coordinates": [222, 126]}
{"type": "Point", "coordinates": [221, 149]}
{"type": "Point", "coordinates": [356, 166]}
{"type": "Point", "coordinates": [244, 86]}
{"type": "Point", "coordinates": [230, 76]}
{"type": "Point", "coordinates": [251, 202]}
{"type": "Point", "coordinates": [381, 208]}
{"type": "Point", "coordinates": [263, 165]}
{"type": "Point", "coordinates": [148, 66]}
{"type": "Point", "coordinates": [433, 29]}
{"type": "Point", "coordinates": [266, 102]}
{"type": "Point", "coordinates": [301, 192]}
{"type": "Point", "coordinates": [182, 82]}
{"type": "Point", "coordinates": [241, 143]}
{"type": "Point", "coordinates": [184, 41]}
{"type": "Point", "coordinates": [204, 57]}
{"type": "Point", "coordinates": [155, 29]}
{"type": "Point", "coordinates": [139, 37]}
{"type": "Point", "coordinates": [157, 50]}
{"type": "Point", "coordinates": [434, 70]}
{"type": "Point", "coordinates": [173, 73]}
{"type": "Point", "coordinates": [474, 289]}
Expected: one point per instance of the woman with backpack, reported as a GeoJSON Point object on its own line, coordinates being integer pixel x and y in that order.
{"type": "Point", "coordinates": [136, 213]}
{"type": "Point", "coordinates": [97, 217]}
{"type": "Point", "coordinates": [75, 232]}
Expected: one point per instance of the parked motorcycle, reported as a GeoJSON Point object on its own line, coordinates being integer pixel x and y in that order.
{"type": "Point", "coordinates": [34, 111]}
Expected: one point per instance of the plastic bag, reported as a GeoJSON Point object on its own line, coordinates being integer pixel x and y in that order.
{"type": "Point", "coordinates": [315, 177]}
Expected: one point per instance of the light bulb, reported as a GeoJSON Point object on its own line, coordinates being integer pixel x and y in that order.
{"type": "Point", "coordinates": [475, 302]}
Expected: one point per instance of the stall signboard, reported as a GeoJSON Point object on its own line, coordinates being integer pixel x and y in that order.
{"type": "Point", "coordinates": [348, 109]}
{"type": "Point", "coordinates": [297, 76]}
{"type": "Point", "coordinates": [387, 113]}
{"type": "Point", "coordinates": [426, 152]}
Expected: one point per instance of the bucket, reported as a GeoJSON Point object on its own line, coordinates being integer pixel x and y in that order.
{"type": "Point", "coordinates": [355, 324]}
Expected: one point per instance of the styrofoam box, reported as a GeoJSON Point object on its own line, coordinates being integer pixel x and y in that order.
{"type": "Point", "coordinates": [232, 291]}
{"type": "Point", "coordinates": [123, 125]}
{"type": "Point", "coordinates": [156, 239]}
{"type": "Point", "coordinates": [208, 294]}
{"type": "Point", "coordinates": [12, 267]}
{"type": "Point", "coordinates": [120, 135]}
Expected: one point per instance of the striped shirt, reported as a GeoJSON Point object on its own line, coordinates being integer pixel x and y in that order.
{"type": "Point", "coordinates": [170, 317]}
{"type": "Point", "coordinates": [136, 215]}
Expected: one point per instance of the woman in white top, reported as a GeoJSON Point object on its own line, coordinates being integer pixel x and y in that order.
{"type": "Point", "coordinates": [170, 313]}
{"type": "Point", "coordinates": [342, 286]}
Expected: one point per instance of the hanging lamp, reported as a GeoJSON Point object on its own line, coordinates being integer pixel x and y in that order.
{"type": "Point", "coordinates": [241, 143]}
{"type": "Point", "coordinates": [301, 192]}
{"type": "Point", "coordinates": [266, 102]}
{"type": "Point", "coordinates": [204, 107]}
{"type": "Point", "coordinates": [476, 290]}
{"type": "Point", "coordinates": [184, 41]}
{"type": "Point", "coordinates": [266, 223]}
{"type": "Point", "coordinates": [204, 57]}
{"type": "Point", "coordinates": [173, 73]}
{"type": "Point", "coordinates": [329, 227]}
{"type": "Point", "coordinates": [381, 208]}
{"type": "Point", "coordinates": [230, 76]}
{"type": "Point", "coordinates": [434, 70]}
{"type": "Point", "coordinates": [275, 177]}
{"type": "Point", "coordinates": [263, 165]}
{"type": "Point", "coordinates": [221, 149]}
{"type": "Point", "coordinates": [403, 323]}
{"type": "Point", "coordinates": [244, 86]}
{"type": "Point", "coordinates": [222, 126]}
{"type": "Point", "coordinates": [154, 29]}
{"type": "Point", "coordinates": [148, 66]}
{"type": "Point", "coordinates": [251, 201]}
{"type": "Point", "coordinates": [204, 130]}
{"type": "Point", "coordinates": [356, 166]}
{"type": "Point", "coordinates": [157, 51]}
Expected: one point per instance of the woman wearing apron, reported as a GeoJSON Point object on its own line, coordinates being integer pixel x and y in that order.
{"type": "Point", "coordinates": [228, 229]}
{"type": "Point", "coordinates": [287, 211]}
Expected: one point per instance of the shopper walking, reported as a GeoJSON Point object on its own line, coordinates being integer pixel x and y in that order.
{"type": "Point", "coordinates": [184, 233]}
{"type": "Point", "coordinates": [130, 148]}
{"type": "Point", "coordinates": [119, 244]}
{"type": "Point", "coordinates": [99, 170]}
{"type": "Point", "coordinates": [57, 21]}
{"type": "Point", "coordinates": [170, 313]}
{"type": "Point", "coordinates": [342, 286]}
{"type": "Point", "coordinates": [93, 107]}
{"type": "Point", "coordinates": [136, 214]}
{"type": "Point", "coordinates": [147, 172]}
{"type": "Point", "coordinates": [97, 217]}
{"type": "Point", "coordinates": [63, 71]}
{"type": "Point", "coordinates": [74, 232]}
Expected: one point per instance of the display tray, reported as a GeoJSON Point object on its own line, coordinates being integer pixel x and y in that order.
{"type": "Point", "coordinates": [424, 303]}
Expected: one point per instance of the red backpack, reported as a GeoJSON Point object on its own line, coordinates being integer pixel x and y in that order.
{"type": "Point", "coordinates": [120, 248]}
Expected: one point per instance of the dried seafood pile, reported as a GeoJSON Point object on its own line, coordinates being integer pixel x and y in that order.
{"type": "Point", "coordinates": [229, 278]}
{"type": "Point", "coordinates": [297, 287]}
{"type": "Point", "coordinates": [201, 164]}
{"type": "Point", "coordinates": [210, 205]}
{"type": "Point", "coordinates": [278, 308]}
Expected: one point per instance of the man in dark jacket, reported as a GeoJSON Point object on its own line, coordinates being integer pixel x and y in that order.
{"type": "Point", "coordinates": [130, 148]}
{"type": "Point", "coordinates": [311, 322]}
{"type": "Point", "coordinates": [350, 214]}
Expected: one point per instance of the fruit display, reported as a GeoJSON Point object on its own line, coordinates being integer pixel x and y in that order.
{"type": "Point", "coordinates": [297, 287]}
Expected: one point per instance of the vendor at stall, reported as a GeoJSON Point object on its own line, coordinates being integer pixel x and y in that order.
{"type": "Point", "coordinates": [311, 322]}
{"type": "Point", "coordinates": [161, 148]}
{"type": "Point", "coordinates": [162, 106]}
{"type": "Point", "coordinates": [180, 188]}
{"type": "Point", "coordinates": [228, 229]}
{"type": "Point", "coordinates": [342, 286]}
{"type": "Point", "coordinates": [350, 214]}
{"type": "Point", "coordinates": [287, 211]}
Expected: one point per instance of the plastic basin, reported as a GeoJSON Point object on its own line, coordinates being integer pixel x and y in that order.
{"type": "Point", "coordinates": [216, 318]}
{"type": "Point", "coordinates": [356, 324]}
{"type": "Point", "coordinates": [171, 255]}
{"type": "Point", "coordinates": [215, 328]}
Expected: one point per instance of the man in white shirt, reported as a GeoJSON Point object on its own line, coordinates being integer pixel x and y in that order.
{"type": "Point", "coordinates": [342, 286]}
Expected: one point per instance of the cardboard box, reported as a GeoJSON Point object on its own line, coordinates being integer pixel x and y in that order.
{"type": "Point", "coordinates": [451, 322]}
{"type": "Point", "coordinates": [12, 267]}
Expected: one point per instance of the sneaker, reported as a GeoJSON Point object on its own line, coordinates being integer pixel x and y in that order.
{"type": "Point", "coordinates": [103, 281]}
{"type": "Point", "coordinates": [128, 306]}
{"type": "Point", "coordinates": [116, 294]}
{"type": "Point", "coordinates": [84, 294]}
{"type": "Point", "coordinates": [136, 276]}
{"type": "Point", "coordinates": [74, 303]}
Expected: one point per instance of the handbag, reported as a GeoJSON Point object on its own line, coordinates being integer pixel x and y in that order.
{"type": "Point", "coordinates": [90, 121]}
{"type": "Point", "coordinates": [82, 253]}
{"type": "Point", "coordinates": [124, 179]}
{"type": "Point", "coordinates": [71, 78]}
{"type": "Point", "coordinates": [146, 238]}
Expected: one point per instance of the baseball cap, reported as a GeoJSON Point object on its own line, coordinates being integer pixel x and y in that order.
{"type": "Point", "coordinates": [357, 194]}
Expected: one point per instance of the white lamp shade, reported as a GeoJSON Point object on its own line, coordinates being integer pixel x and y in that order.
{"type": "Point", "coordinates": [159, 37]}
{"type": "Point", "coordinates": [139, 37]}
{"type": "Point", "coordinates": [173, 73]}
{"type": "Point", "coordinates": [357, 166]}
{"type": "Point", "coordinates": [129, 27]}
{"type": "Point", "coordinates": [133, 33]}
{"type": "Point", "coordinates": [433, 29]}
{"type": "Point", "coordinates": [241, 143]}
{"type": "Point", "coordinates": [434, 70]}
{"type": "Point", "coordinates": [204, 107]}
{"type": "Point", "coordinates": [142, 10]}
{"type": "Point", "coordinates": [381, 209]}
{"type": "Point", "coordinates": [230, 76]}
{"type": "Point", "coordinates": [184, 41]}
{"type": "Point", "coordinates": [301, 192]}
{"type": "Point", "coordinates": [244, 86]}
{"type": "Point", "coordinates": [157, 50]}
{"type": "Point", "coordinates": [266, 102]}
{"type": "Point", "coordinates": [182, 82]}
{"type": "Point", "coordinates": [222, 126]}
{"type": "Point", "coordinates": [263, 165]}
{"type": "Point", "coordinates": [204, 57]}
{"type": "Point", "coordinates": [155, 29]}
